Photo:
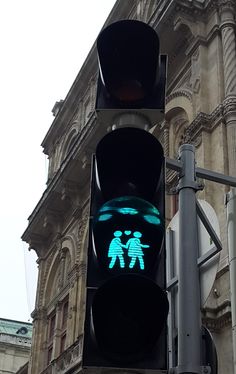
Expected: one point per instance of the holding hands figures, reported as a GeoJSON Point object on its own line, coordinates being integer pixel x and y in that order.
{"type": "Point", "coordinates": [134, 247]}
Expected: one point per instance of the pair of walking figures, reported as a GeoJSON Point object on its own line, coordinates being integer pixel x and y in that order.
{"type": "Point", "coordinates": [133, 245]}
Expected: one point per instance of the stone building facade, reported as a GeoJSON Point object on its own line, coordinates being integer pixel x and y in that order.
{"type": "Point", "coordinates": [15, 343]}
{"type": "Point", "coordinates": [200, 40]}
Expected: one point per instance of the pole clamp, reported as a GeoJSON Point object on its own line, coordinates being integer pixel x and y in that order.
{"type": "Point", "coordinates": [185, 370]}
{"type": "Point", "coordinates": [189, 184]}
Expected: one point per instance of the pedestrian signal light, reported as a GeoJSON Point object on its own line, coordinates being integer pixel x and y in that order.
{"type": "Point", "coordinates": [127, 305]}
{"type": "Point", "coordinates": [128, 234]}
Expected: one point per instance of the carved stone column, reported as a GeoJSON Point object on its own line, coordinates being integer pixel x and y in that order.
{"type": "Point", "coordinates": [36, 363]}
{"type": "Point", "coordinates": [230, 118]}
{"type": "Point", "coordinates": [166, 140]}
{"type": "Point", "coordinates": [227, 11]}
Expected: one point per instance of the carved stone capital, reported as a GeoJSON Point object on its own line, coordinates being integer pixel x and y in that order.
{"type": "Point", "coordinates": [226, 6]}
{"type": "Point", "coordinates": [39, 314]}
{"type": "Point", "coordinates": [229, 106]}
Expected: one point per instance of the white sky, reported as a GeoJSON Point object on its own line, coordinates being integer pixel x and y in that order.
{"type": "Point", "coordinates": [43, 45]}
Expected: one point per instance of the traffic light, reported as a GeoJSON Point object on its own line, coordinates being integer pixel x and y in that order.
{"type": "Point", "coordinates": [127, 306]}
{"type": "Point", "coordinates": [126, 303]}
{"type": "Point", "coordinates": [132, 73]}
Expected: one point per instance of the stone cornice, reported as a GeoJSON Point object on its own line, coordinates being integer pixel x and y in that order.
{"type": "Point", "coordinates": [198, 8]}
{"type": "Point", "coordinates": [168, 11]}
{"type": "Point", "coordinates": [40, 228]}
{"type": "Point", "coordinates": [191, 10]}
{"type": "Point", "coordinates": [217, 318]}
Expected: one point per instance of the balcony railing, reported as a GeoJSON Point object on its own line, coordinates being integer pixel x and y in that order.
{"type": "Point", "coordinates": [68, 360]}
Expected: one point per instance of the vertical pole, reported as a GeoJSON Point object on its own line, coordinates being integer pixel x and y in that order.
{"type": "Point", "coordinates": [189, 326]}
{"type": "Point", "coordinates": [231, 226]}
{"type": "Point", "coordinates": [171, 298]}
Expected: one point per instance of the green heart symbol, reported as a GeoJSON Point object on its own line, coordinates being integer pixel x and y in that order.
{"type": "Point", "coordinates": [127, 232]}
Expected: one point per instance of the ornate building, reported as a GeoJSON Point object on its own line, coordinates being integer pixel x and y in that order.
{"type": "Point", "coordinates": [200, 40]}
{"type": "Point", "coordinates": [15, 343]}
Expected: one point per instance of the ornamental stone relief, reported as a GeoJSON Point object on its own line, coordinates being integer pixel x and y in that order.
{"type": "Point", "coordinates": [83, 224]}
{"type": "Point", "coordinates": [195, 73]}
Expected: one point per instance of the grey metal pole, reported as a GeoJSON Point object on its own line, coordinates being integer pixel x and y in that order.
{"type": "Point", "coordinates": [171, 297]}
{"type": "Point", "coordinates": [231, 226]}
{"type": "Point", "coordinates": [189, 325]}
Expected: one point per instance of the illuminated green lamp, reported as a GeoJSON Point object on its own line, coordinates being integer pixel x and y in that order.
{"type": "Point", "coordinates": [128, 233]}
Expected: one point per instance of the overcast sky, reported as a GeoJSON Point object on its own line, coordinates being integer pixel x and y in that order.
{"type": "Point", "coordinates": [43, 45]}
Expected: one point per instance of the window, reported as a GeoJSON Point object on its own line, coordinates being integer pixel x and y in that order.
{"type": "Point", "coordinates": [64, 324]}
{"type": "Point", "coordinates": [63, 343]}
{"type": "Point", "coordinates": [49, 354]}
{"type": "Point", "coordinates": [64, 314]}
{"type": "Point", "coordinates": [52, 323]}
{"type": "Point", "coordinates": [51, 330]}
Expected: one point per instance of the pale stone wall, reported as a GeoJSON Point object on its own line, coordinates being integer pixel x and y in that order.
{"type": "Point", "coordinates": [14, 353]}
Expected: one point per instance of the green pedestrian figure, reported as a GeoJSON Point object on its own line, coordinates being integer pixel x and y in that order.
{"type": "Point", "coordinates": [135, 250]}
{"type": "Point", "coordinates": [115, 250]}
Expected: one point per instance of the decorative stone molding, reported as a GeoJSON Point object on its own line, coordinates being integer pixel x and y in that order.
{"type": "Point", "coordinates": [37, 225]}
{"type": "Point", "coordinates": [77, 271]}
{"type": "Point", "coordinates": [148, 8]}
{"type": "Point", "coordinates": [227, 9]}
{"type": "Point", "coordinates": [204, 122]}
{"type": "Point", "coordinates": [69, 190]}
{"type": "Point", "coordinates": [39, 314]}
{"type": "Point", "coordinates": [179, 93]}
{"type": "Point", "coordinates": [202, 9]}
{"type": "Point", "coordinates": [77, 212]}
{"type": "Point", "coordinates": [217, 318]}
{"type": "Point", "coordinates": [86, 160]}
{"type": "Point", "coordinates": [166, 140]}
{"type": "Point", "coordinates": [81, 233]}
{"type": "Point", "coordinates": [61, 294]}
{"type": "Point", "coordinates": [53, 218]}
{"type": "Point", "coordinates": [36, 242]}
{"type": "Point", "coordinates": [195, 73]}
{"type": "Point", "coordinates": [68, 361]}
{"type": "Point", "coordinates": [229, 105]}
{"type": "Point", "coordinates": [229, 48]}
{"type": "Point", "coordinates": [193, 132]}
{"type": "Point", "coordinates": [171, 180]}
{"type": "Point", "coordinates": [226, 5]}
